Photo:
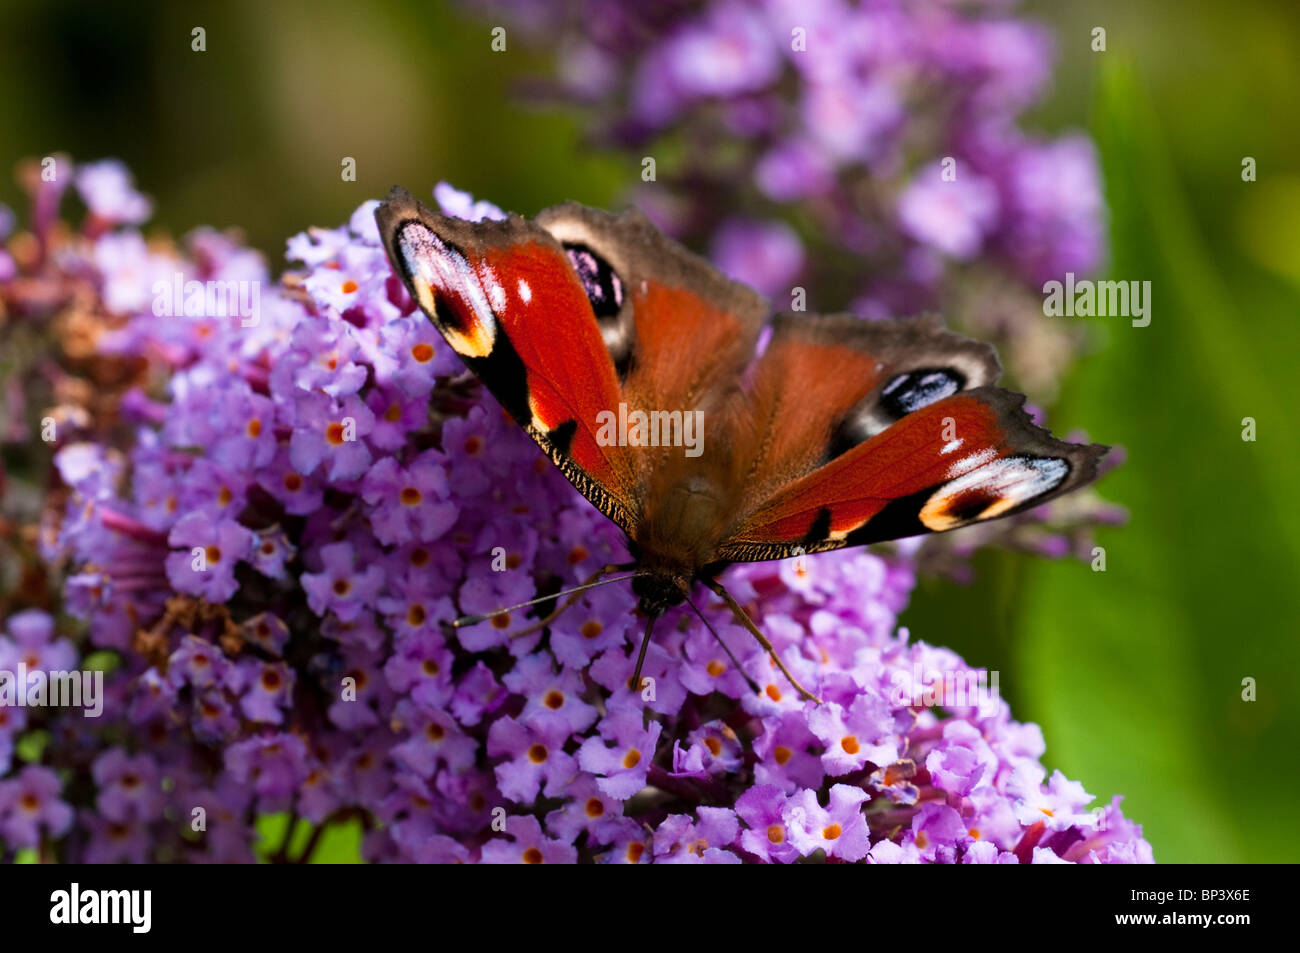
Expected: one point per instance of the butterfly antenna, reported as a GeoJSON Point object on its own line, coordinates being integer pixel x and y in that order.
{"type": "Point", "coordinates": [748, 623]}
{"type": "Point", "coordinates": [590, 583]}
{"type": "Point", "coordinates": [753, 685]}
{"type": "Point", "coordinates": [640, 658]}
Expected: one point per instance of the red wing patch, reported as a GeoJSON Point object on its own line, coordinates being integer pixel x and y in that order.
{"type": "Point", "coordinates": [506, 299]}
{"type": "Point", "coordinates": [966, 458]}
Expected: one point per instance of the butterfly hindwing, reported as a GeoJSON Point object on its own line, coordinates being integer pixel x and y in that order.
{"type": "Point", "coordinates": [962, 459]}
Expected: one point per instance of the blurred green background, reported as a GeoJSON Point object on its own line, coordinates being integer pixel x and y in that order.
{"type": "Point", "coordinates": [1135, 674]}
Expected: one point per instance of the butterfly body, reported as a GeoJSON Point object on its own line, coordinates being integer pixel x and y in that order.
{"type": "Point", "coordinates": [812, 432]}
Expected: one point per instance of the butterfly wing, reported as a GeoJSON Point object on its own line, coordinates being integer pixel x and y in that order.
{"type": "Point", "coordinates": [961, 459]}
{"type": "Point", "coordinates": [678, 331]}
{"type": "Point", "coordinates": [507, 299]}
{"type": "Point", "coordinates": [569, 316]}
{"type": "Point", "coordinates": [826, 383]}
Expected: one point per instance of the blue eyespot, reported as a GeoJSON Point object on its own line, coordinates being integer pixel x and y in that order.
{"type": "Point", "coordinates": [919, 388]}
{"type": "Point", "coordinates": [599, 280]}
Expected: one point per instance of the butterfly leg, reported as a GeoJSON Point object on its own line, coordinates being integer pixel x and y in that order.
{"type": "Point", "coordinates": [753, 685]}
{"type": "Point", "coordinates": [744, 619]}
{"type": "Point", "coordinates": [574, 595]}
{"type": "Point", "coordinates": [635, 682]}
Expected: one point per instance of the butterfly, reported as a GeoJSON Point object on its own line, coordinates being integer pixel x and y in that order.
{"type": "Point", "coordinates": [811, 432]}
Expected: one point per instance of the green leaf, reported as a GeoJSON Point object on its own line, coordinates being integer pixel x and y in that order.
{"type": "Point", "coordinates": [339, 843]}
{"type": "Point", "coordinates": [31, 746]}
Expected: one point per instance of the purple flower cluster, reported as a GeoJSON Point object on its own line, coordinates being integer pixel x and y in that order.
{"type": "Point", "coordinates": [870, 153]}
{"type": "Point", "coordinates": [847, 111]}
{"type": "Point", "coordinates": [267, 564]}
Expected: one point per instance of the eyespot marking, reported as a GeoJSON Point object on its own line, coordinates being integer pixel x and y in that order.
{"type": "Point", "coordinates": [449, 289]}
{"type": "Point", "coordinates": [992, 489]}
{"type": "Point", "coordinates": [920, 388]}
{"type": "Point", "coordinates": [599, 280]}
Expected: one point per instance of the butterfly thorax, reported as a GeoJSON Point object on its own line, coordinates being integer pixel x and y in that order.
{"type": "Point", "coordinates": [675, 539]}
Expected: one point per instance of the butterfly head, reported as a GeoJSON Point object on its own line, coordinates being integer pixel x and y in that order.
{"type": "Point", "coordinates": [659, 591]}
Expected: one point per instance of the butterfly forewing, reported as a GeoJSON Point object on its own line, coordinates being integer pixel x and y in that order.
{"type": "Point", "coordinates": [963, 459]}
{"type": "Point", "coordinates": [506, 299]}
{"type": "Point", "coordinates": [683, 331]}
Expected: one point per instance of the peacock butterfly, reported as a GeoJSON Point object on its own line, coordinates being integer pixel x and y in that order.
{"type": "Point", "coordinates": [823, 431]}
